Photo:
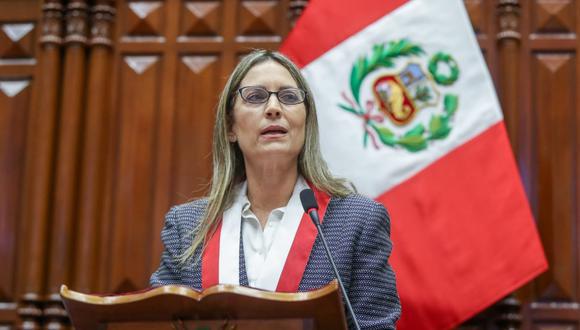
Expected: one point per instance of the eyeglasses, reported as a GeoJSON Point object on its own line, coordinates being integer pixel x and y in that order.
{"type": "Point", "coordinates": [260, 95]}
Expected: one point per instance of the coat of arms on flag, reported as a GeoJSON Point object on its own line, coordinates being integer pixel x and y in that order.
{"type": "Point", "coordinates": [398, 94]}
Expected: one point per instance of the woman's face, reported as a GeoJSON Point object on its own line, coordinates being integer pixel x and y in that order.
{"type": "Point", "coordinates": [271, 129]}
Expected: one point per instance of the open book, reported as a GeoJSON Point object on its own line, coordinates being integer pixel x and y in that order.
{"type": "Point", "coordinates": [218, 307]}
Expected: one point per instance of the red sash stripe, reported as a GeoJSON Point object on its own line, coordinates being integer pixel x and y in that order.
{"type": "Point", "coordinates": [299, 253]}
{"type": "Point", "coordinates": [210, 260]}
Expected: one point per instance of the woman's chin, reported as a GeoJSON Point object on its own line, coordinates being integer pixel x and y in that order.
{"type": "Point", "coordinates": [274, 149]}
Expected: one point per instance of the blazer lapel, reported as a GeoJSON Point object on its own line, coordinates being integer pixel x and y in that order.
{"type": "Point", "coordinates": [243, 273]}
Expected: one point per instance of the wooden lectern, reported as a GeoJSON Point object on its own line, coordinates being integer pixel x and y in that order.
{"type": "Point", "coordinates": [219, 307]}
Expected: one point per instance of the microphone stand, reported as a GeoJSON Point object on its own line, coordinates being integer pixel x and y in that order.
{"type": "Point", "coordinates": [348, 305]}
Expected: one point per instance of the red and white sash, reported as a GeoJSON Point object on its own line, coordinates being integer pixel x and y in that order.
{"type": "Point", "coordinates": [287, 260]}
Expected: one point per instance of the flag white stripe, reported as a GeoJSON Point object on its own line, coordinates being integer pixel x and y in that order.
{"type": "Point", "coordinates": [437, 25]}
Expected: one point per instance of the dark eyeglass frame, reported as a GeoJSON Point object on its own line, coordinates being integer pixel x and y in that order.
{"type": "Point", "coordinates": [302, 93]}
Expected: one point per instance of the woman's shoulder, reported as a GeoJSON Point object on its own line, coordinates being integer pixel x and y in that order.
{"type": "Point", "coordinates": [360, 212]}
{"type": "Point", "coordinates": [188, 212]}
{"type": "Point", "coordinates": [357, 202]}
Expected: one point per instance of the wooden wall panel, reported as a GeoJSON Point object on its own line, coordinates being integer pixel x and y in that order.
{"type": "Point", "coordinates": [554, 82]}
{"type": "Point", "coordinates": [550, 109]}
{"type": "Point", "coordinates": [200, 20]}
{"type": "Point", "coordinates": [140, 85]}
{"type": "Point", "coordinates": [198, 78]}
{"type": "Point", "coordinates": [553, 16]}
{"type": "Point", "coordinates": [259, 18]}
{"type": "Point", "coordinates": [20, 28]}
{"type": "Point", "coordinates": [14, 111]}
{"type": "Point", "coordinates": [143, 18]}
{"type": "Point", "coordinates": [17, 40]}
{"type": "Point", "coordinates": [551, 326]}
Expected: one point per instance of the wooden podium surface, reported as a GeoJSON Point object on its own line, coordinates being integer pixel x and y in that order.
{"type": "Point", "coordinates": [219, 307]}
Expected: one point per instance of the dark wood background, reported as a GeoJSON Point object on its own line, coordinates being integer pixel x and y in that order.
{"type": "Point", "coordinates": [106, 111]}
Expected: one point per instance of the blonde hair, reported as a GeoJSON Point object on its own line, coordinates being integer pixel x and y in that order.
{"type": "Point", "coordinates": [228, 161]}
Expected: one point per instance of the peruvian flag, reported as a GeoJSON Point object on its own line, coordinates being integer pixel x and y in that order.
{"type": "Point", "coordinates": [408, 112]}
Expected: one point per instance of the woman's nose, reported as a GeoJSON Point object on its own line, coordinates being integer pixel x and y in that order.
{"type": "Point", "coordinates": [273, 107]}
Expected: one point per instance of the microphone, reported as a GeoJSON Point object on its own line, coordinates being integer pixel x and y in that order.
{"type": "Point", "coordinates": [310, 207]}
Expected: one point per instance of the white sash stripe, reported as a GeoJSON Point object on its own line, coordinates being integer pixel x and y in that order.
{"type": "Point", "coordinates": [229, 254]}
{"type": "Point", "coordinates": [283, 239]}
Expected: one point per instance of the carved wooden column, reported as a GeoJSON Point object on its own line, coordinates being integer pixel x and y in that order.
{"type": "Point", "coordinates": [295, 9]}
{"type": "Point", "coordinates": [509, 314]}
{"type": "Point", "coordinates": [66, 184]}
{"type": "Point", "coordinates": [508, 39]}
{"type": "Point", "coordinates": [508, 310]}
{"type": "Point", "coordinates": [94, 153]}
{"type": "Point", "coordinates": [39, 169]}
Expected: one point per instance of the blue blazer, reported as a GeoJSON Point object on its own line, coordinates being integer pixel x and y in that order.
{"type": "Point", "coordinates": [358, 233]}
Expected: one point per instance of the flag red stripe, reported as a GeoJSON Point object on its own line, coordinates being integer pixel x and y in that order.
{"type": "Point", "coordinates": [463, 234]}
{"type": "Point", "coordinates": [210, 260]}
{"type": "Point", "coordinates": [326, 23]}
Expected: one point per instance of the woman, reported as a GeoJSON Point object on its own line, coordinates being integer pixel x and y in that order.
{"type": "Point", "coordinates": [251, 229]}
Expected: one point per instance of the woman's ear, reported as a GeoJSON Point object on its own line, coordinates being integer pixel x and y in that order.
{"type": "Point", "coordinates": [232, 137]}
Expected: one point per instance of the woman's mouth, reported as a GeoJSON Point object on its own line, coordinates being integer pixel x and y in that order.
{"type": "Point", "coordinates": [273, 131]}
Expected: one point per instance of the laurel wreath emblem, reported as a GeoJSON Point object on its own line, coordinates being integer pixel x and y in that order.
{"type": "Point", "coordinates": [416, 138]}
